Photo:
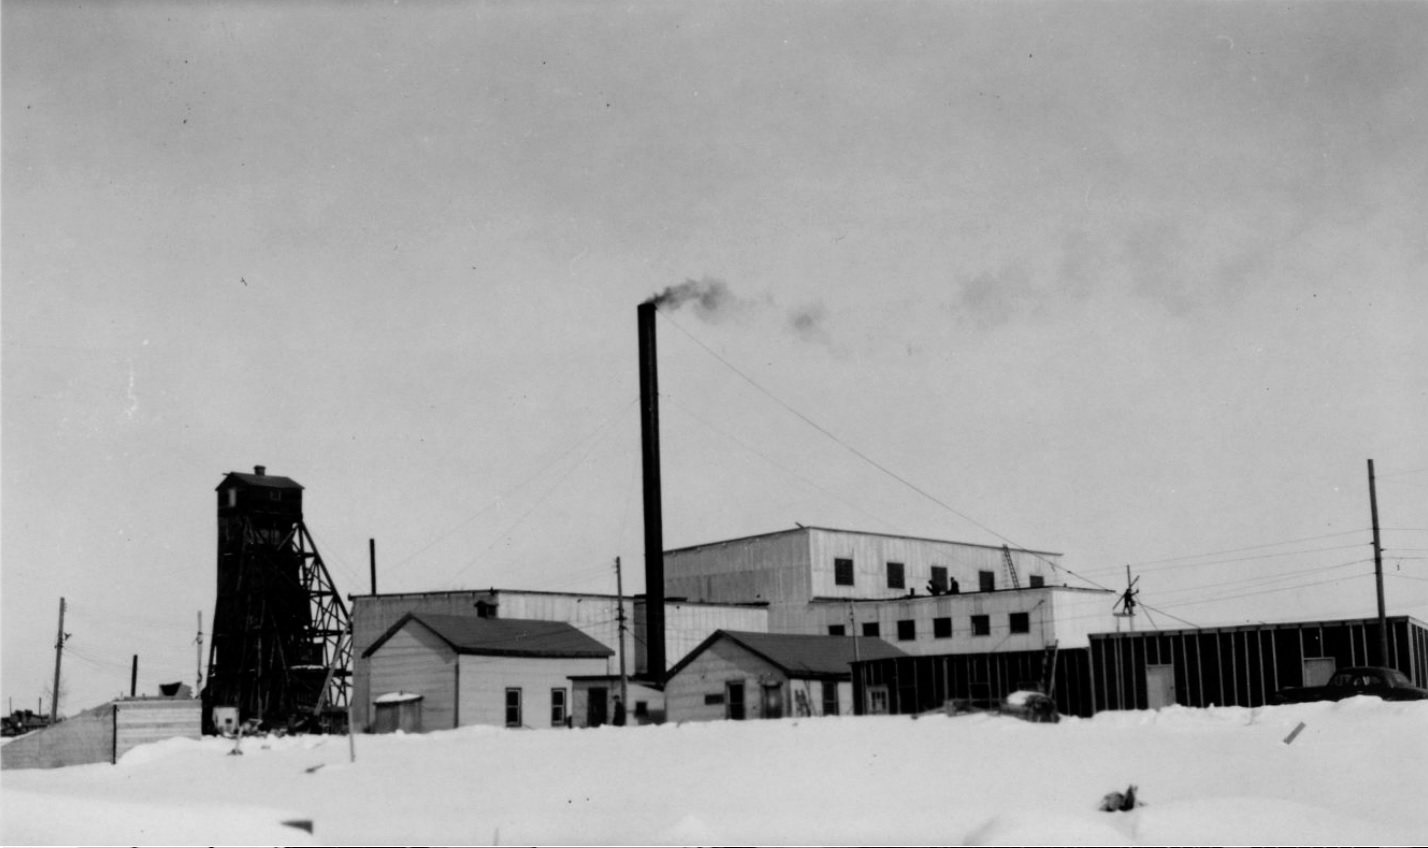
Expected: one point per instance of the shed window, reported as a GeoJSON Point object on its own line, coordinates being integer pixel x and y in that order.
{"type": "Point", "coordinates": [713, 698]}
{"type": "Point", "coordinates": [942, 628]}
{"type": "Point", "coordinates": [642, 708]}
{"type": "Point", "coordinates": [843, 572]}
{"type": "Point", "coordinates": [1037, 581]}
{"type": "Point", "coordinates": [938, 584]}
{"type": "Point", "coordinates": [830, 697]}
{"type": "Point", "coordinates": [871, 628]}
{"type": "Point", "coordinates": [986, 581]}
{"type": "Point", "coordinates": [1021, 622]}
{"type": "Point", "coordinates": [557, 708]}
{"type": "Point", "coordinates": [837, 630]}
{"type": "Point", "coordinates": [907, 630]}
{"type": "Point", "coordinates": [981, 625]}
{"type": "Point", "coordinates": [513, 707]}
{"type": "Point", "coordinates": [896, 577]}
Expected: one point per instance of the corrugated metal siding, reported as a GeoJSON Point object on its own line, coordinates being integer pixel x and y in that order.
{"type": "Point", "coordinates": [140, 722]}
{"type": "Point", "coordinates": [415, 660]}
{"type": "Point", "coordinates": [1242, 666]}
{"type": "Point", "coordinates": [723, 662]}
{"type": "Point", "coordinates": [484, 681]}
{"type": "Point", "coordinates": [766, 568]}
{"type": "Point", "coordinates": [871, 553]}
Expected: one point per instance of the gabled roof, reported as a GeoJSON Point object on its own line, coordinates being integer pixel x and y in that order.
{"type": "Point", "coordinates": [502, 637]}
{"type": "Point", "coordinates": [800, 654]}
{"type": "Point", "coordinates": [271, 481]}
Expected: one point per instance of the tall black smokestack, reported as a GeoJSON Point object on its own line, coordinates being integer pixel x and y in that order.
{"type": "Point", "coordinates": [654, 518]}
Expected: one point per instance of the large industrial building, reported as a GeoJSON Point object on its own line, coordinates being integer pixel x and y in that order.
{"type": "Point", "coordinates": [918, 596]}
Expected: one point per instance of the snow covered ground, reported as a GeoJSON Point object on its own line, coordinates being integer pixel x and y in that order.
{"type": "Point", "coordinates": [1356, 774]}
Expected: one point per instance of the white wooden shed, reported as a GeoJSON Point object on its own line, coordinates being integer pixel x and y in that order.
{"type": "Point", "coordinates": [504, 672]}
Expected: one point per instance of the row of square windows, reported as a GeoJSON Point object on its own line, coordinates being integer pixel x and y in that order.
{"type": "Point", "coordinates": [939, 584]}
{"type": "Point", "coordinates": [559, 715]}
{"type": "Point", "coordinates": [1017, 622]}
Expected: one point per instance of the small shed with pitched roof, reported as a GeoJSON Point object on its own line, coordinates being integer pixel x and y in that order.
{"type": "Point", "coordinates": [739, 675]}
{"type": "Point", "coordinates": [505, 672]}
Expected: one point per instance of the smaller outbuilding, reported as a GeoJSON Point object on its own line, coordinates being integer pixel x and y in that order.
{"type": "Point", "coordinates": [740, 675]}
{"type": "Point", "coordinates": [505, 672]}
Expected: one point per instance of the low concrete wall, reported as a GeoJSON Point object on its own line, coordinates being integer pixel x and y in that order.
{"type": "Point", "coordinates": [85, 738]}
{"type": "Point", "coordinates": [105, 733]}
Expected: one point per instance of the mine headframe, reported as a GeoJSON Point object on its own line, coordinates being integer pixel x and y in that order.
{"type": "Point", "coordinates": [281, 649]}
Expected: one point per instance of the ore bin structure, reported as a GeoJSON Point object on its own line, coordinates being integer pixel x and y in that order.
{"type": "Point", "coordinates": [280, 649]}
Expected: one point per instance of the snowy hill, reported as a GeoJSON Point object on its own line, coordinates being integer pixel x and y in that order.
{"type": "Point", "coordinates": [1355, 775]}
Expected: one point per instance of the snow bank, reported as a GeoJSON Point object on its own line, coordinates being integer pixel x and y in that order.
{"type": "Point", "coordinates": [1353, 776]}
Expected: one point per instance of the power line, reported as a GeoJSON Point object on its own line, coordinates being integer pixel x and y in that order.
{"type": "Point", "coordinates": [1248, 548]}
{"type": "Point", "coordinates": [561, 479]}
{"type": "Point", "coordinates": [597, 430]}
{"type": "Point", "coordinates": [869, 460]}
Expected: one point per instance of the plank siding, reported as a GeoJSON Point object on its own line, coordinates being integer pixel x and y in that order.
{"type": "Point", "coordinates": [708, 673]}
{"type": "Point", "coordinates": [139, 722]}
{"type": "Point", "coordinates": [484, 681]}
{"type": "Point", "coordinates": [416, 660]}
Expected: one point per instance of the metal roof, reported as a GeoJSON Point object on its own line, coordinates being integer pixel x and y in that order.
{"type": "Point", "coordinates": [502, 637]}
{"type": "Point", "coordinates": [805, 528]}
{"type": "Point", "coordinates": [802, 654]}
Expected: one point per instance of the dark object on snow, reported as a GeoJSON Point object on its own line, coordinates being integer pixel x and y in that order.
{"type": "Point", "coordinates": [1117, 802]}
{"type": "Point", "coordinates": [1386, 683]}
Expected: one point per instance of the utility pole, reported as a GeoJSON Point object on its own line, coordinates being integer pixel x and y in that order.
{"type": "Point", "coordinates": [620, 617]}
{"type": "Point", "coordinates": [1378, 573]}
{"type": "Point", "coordinates": [134, 677]}
{"type": "Point", "coordinates": [59, 651]}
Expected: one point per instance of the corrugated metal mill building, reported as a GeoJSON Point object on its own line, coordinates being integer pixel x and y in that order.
{"type": "Point", "coordinates": [1200, 667]}
{"type": "Point", "coordinates": [468, 670]}
{"type": "Point", "coordinates": [735, 675]}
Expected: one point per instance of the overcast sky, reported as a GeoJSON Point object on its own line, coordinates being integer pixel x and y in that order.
{"type": "Point", "coordinates": [1134, 282]}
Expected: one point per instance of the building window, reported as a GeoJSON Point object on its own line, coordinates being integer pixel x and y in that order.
{"type": "Point", "coordinates": [942, 628]}
{"type": "Point", "coordinates": [642, 709]}
{"type": "Point", "coordinates": [830, 697]}
{"type": "Point", "coordinates": [877, 700]}
{"type": "Point", "coordinates": [1021, 622]}
{"type": "Point", "coordinates": [906, 630]}
{"type": "Point", "coordinates": [871, 628]}
{"type": "Point", "coordinates": [1037, 581]}
{"type": "Point", "coordinates": [513, 708]}
{"type": "Point", "coordinates": [557, 708]}
{"type": "Point", "coordinates": [275, 495]}
{"type": "Point", "coordinates": [734, 701]}
{"type": "Point", "coordinates": [837, 630]}
{"type": "Point", "coordinates": [981, 625]}
{"type": "Point", "coordinates": [986, 581]}
{"type": "Point", "coordinates": [938, 584]}
{"type": "Point", "coordinates": [896, 578]}
{"type": "Point", "coordinates": [713, 699]}
{"type": "Point", "coordinates": [843, 572]}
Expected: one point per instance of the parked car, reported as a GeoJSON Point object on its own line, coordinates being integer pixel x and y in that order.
{"type": "Point", "coordinates": [1386, 683]}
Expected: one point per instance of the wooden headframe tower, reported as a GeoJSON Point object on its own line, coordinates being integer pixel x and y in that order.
{"type": "Point", "coordinates": [281, 647]}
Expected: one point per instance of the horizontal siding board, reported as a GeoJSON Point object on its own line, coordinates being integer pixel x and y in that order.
{"type": "Point", "coordinates": [416, 660]}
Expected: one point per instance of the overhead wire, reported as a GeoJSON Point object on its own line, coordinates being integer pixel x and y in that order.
{"type": "Point", "coordinates": [594, 443]}
{"type": "Point", "coordinates": [869, 460]}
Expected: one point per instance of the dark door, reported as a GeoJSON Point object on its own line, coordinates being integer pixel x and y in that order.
{"type": "Point", "coordinates": [597, 710]}
{"type": "Point", "coordinates": [734, 701]}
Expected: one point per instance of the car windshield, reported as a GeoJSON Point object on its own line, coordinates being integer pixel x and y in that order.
{"type": "Point", "coordinates": [1398, 678]}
